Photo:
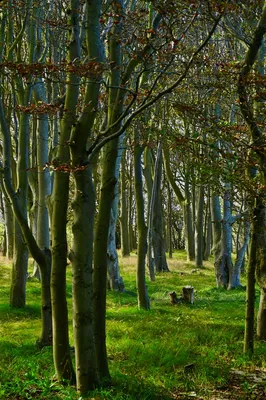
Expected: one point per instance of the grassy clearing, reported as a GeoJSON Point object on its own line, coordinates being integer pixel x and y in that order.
{"type": "Point", "coordinates": [147, 350]}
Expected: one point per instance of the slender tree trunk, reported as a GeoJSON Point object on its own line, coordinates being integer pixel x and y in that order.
{"type": "Point", "coordinates": [61, 348]}
{"type": "Point", "coordinates": [250, 292]}
{"type": "Point", "coordinates": [125, 248]}
{"type": "Point", "coordinates": [260, 265]}
{"type": "Point", "coordinates": [199, 227]}
{"type": "Point", "coordinates": [207, 230]}
{"type": "Point", "coordinates": [157, 218]}
{"type": "Point", "coordinates": [151, 191]}
{"type": "Point", "coordinates": [221, 278]}
{"type": "Point", "coordinates": [169, 225]}
{"type": "Point", "coordinates": [188, 222]}
{"type": "Point", "coordinates": [143, 299]}
{"type": "Point", "coordinates": [20, 256]}
{"type": "Point", "coordinates": [115, 281]}
{"type": "Point", "coordinates": [100, 254]}
{"type": "Point", "coordinates": [9, 228]}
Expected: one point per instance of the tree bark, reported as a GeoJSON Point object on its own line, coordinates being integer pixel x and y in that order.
{"type": "Point", "coordinates": [199, 227]}
{"type": "Point", "coordinates": [143, 299]}
{"type": "Point", "coordinates": [157, 218]}
{"type": "Point", "coordinates": [124, 193]}
{"type": "Point", "coordinates": [250, 292]}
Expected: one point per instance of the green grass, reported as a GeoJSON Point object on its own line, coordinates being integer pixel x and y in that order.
{"type": "Point", "coordinates": [147, 350]}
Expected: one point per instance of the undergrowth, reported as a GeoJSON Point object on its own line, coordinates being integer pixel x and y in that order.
{"type": "Point", "coordinates": [148, 351]}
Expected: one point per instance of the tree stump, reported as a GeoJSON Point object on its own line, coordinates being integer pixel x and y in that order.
{"type": "Point", "coordinates": [188, 294]}
{"type": "Point", "coordinates": [173, 298]}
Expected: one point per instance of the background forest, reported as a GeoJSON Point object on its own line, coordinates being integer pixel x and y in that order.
{"type": "Point", "coordinates": [133, 164]}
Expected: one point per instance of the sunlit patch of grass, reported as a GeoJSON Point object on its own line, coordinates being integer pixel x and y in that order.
{"type": "Point", "coordinates": [148, 351]}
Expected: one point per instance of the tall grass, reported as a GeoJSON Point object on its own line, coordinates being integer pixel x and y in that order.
{"type": "Point", "coordinates": [148, 351]}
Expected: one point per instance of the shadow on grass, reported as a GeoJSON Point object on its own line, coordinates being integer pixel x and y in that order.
{"type": "Point", "coordinates": [8, 314]}
{"type": "Point", "coordinates": [22, 350]}
{"type": "Point", "coordinates": [128, 387]}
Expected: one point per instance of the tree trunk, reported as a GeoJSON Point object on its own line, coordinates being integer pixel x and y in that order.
{"type": "Point", "coordinates": [261, 266]}
{"type": "Point", "coordinates": [207, 230]}
{"type": "Point", "coordinates": [199, 227]}
{"type": "Point", "coordinates": [100, 254]}
{"type": "Point", "coordinates": [188, 223]}
{"type": "Point", "coordinates": [250, 292]}
{"type": "Point", "coordinates": [20, 257]}
{"type": "Point", "coordinates": [143, 299]}
{"type": "Point", "coordinates": [59, 203]}
{"type": "Point", "coordinates": [125, 248]}
{"type": "Point", "coordinates": [157, 218]}
{"type": "Point", "coordinates": [221, 276]}
{"type": "Point", "coordinates": [115, 281]}
{"type": "Point", "coordinates": [81, 259]}
{"type": "Point", "coordinates": [151, 191]}
{"type": "Point", "coordinates": [9, 228]}
{"type": "Point", "coordinates": [169, 222]}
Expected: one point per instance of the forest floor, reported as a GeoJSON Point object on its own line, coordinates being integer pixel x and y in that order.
{"type": "Point", "coordinates": [170, 352]}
